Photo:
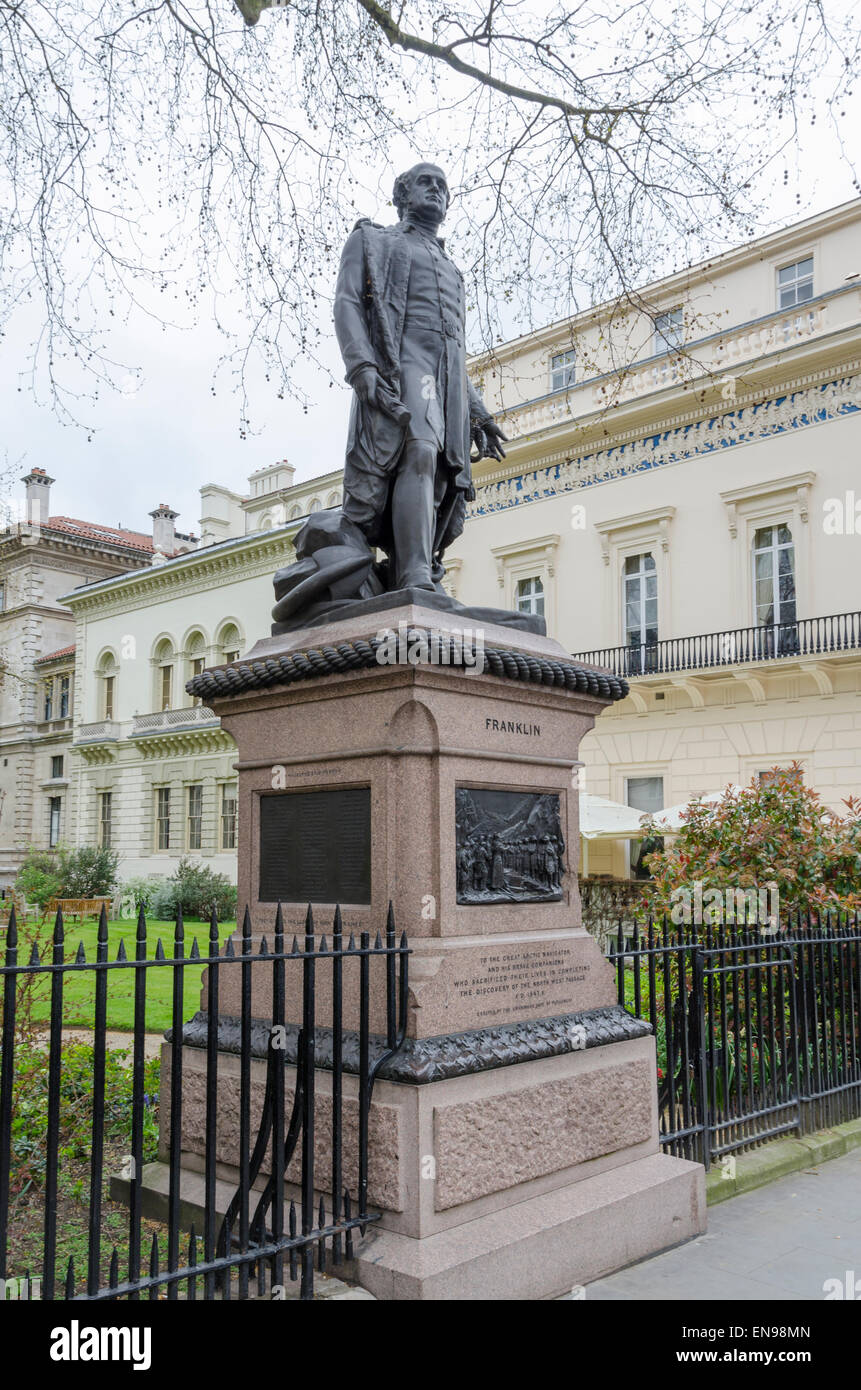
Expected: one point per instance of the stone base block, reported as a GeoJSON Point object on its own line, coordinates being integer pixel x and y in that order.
{"type": "Point", "coordinates": [542, 1247]}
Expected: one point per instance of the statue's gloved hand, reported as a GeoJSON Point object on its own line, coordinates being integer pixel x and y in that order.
{"type": "Point", "coordinates": [487, 438]}
{"type": "Point", "coordinates": [365, 384]}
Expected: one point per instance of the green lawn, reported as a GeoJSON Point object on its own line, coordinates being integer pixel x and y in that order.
{"type": "Point", "coordinates": [79, 989]}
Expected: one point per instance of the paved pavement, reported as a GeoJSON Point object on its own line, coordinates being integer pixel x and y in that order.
{"type": "Point", "coordinates": [783, 1241]}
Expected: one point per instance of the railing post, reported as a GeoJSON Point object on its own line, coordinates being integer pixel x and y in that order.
{"type": "Point", "coordinates": [306, 1072]}
{"type": "Point", "coordinates": [7, 1079]}
{"type": "Point", "coordinates": [100, 1020]}
{"type": "Point", "coordinates": [699, 1002]}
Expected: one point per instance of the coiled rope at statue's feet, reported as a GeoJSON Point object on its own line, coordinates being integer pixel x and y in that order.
{"type": "Point", "coordinates": [363, 655]}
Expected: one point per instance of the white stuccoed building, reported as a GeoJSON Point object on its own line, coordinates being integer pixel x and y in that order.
{"type": "Point", "coordinates": [42, 555]}
{"type": "Point", "coordinates": [152, 770]}
{"type": "Point", "coordinates": [678, 500]}
{"type": "Point", "coordinates": [693, 523]}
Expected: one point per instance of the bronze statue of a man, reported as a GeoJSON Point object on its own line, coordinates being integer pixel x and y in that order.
{"type": "Point", "coordinates": [400, 310]}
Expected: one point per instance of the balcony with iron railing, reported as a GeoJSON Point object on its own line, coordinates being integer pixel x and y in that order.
{"type": "Point", "coordinates": [717, 354]}
{"type": "Point", "coordinates": [809, 638]}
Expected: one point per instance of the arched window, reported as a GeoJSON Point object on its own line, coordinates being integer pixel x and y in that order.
{"type": "Point", "coordinates": [230, 643]}
{"type": "Point", "coordinates": [164, 661]}
{"type": "Point", "coordinates": [334, 500]}
{"type": "Point", "coordinates": [107, 671]}
{"type": "Point", "coordinates": [195, 656]}
{"type": "Point", "coordinates": [316, 506]}
{"type": "Point", "coordinates": [295, 513]}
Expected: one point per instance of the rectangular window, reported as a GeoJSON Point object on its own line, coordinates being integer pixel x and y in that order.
{"type": "Point", "coordinates": [773, 774]}
{"type": "Point", "coordinates": [562, 370]}
{"type": "Point", "coordinates": [64, 697]}
{"type": "Point", "coordinates": [669, 329]}
{"type": "Point", "coordinates": [166, 687]}
{"type": "Point", "coordinates": [644, 794]}
{"type": "Point", "coordinates": [530, 596]}
{"type": "Point", "coordinates": [49, 699]}
{"type": "Point", "coordinates": [105, 799]}
{"type": "Point", "coordinates": [57, 765]}
{"type": "Point", "coordinates": [2, 597]}
{"type": "Point", "coordinates": [228, 817]}
{"type": "Point", "coordinates": [195, 817]}
{"type": "Point", "coordinates": [641, 611]}
{"type": "Point", "coordinates": [795, 284]}
{"type": "Point", "coordinates": [162, 817]}
{"type": "Point", "coordinates": [773, 576]}
{"type": "Point", "coordinates": [109, 696]}
{"type": "Point", "coordinates": [55, 804]}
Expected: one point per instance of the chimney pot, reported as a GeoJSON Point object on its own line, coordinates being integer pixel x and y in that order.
{"type": "Point", "coordinates": [163, 529]}
{"type": "Point", "coordinates": [38, 486]}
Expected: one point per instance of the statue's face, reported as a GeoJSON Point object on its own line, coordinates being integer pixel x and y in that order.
{"type": "Point", "coordinates": [428, 195]}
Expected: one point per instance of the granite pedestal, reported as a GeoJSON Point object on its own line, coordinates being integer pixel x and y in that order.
{"type": "Point", "coordinates": [514, 1139]}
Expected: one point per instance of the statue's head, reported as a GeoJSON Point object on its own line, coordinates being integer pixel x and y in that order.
{"type": "Point", "coordinates": [423, 191]}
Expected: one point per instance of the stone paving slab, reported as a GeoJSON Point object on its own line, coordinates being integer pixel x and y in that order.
{"type": "Point", "coordinates": [779, 1242]}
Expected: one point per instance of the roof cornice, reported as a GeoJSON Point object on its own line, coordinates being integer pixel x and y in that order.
{"type": "Point", "coordinates": [245, 554]}
{"type": "Point", "coordinates": [763, 248]}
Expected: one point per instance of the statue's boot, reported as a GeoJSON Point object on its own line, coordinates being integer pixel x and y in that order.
{"type": "Point", "coordinates": [413, 516]}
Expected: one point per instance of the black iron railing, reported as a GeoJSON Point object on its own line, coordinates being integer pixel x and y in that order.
{"type": "Point", "coordinates": [758, 1034]}
{"type": "Point", "coordinates": [738, 646]}
{"type": "Point", "coordinates": [263, 1234]}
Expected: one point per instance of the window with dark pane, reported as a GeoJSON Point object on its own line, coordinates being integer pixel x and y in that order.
{"type": "Point", "coordinates": [162, 816]}
{"type": "Point", "coordinates": [105, 819]}
{"type": "Point", "coordinates": [195, 816]}
{"type": "Point", "coordinates": [229, 796]}
{"type": "Point", "coordinates": [55, 806]}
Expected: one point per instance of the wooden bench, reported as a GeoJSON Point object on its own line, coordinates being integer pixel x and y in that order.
{"type": "Point", "coordinates": [76, 907]}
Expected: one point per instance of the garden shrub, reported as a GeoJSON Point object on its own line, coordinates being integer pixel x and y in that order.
{"type": "Point", "coordinates": [773, 834]}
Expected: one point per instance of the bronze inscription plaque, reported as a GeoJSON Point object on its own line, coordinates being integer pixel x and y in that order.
{"type": "Point", "coordinates": [315, 846]}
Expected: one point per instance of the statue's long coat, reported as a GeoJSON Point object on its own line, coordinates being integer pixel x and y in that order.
{"type": "Point", "coordinates": [370, 305]}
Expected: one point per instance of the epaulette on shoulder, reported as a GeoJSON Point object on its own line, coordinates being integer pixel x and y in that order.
{"type": "Point", "coordinates": [367, 222]}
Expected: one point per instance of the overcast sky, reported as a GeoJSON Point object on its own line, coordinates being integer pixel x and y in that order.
{"type": "Point", "coordinates": [163, 440]}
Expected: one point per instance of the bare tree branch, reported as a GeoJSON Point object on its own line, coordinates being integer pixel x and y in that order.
{"type": "Point", "coordinates": [179, 163]}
